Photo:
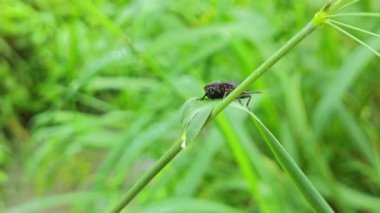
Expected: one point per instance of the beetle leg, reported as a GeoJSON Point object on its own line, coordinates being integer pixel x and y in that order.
{"type": "Point", "coordinates": [202, 98]}
{"type": "Point", "coordinates": [249, 99]}
{"type": "Point", "coordinates": [225, 94]}
{"type": "Point", "coordinates": [239, 99]}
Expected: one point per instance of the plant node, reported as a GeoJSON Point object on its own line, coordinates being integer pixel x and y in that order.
{"type": "Point", "coordinates": [320, 18]}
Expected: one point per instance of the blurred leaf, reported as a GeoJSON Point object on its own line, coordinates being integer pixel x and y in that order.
{"type": "Point", "coordinates": [187, 206]}
{"type": "Point", "coordinates": [55, 202]}
{"type": "Point", "coordinates": [199, 168]}
{"type": "Point", "coordinates": [349, 71]}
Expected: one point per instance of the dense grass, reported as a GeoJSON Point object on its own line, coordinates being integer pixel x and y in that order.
{"type": "Point", "coordinates": [91, 95]}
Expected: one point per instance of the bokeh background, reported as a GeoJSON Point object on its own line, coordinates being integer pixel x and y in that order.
{"type": "Point", "coordinates": [91, 91]}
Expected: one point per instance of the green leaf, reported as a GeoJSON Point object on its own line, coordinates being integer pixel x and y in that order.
{"type": "Point", "coordinates": [305, 186]}
{"type": "Point", "coordinates": [195, 114]}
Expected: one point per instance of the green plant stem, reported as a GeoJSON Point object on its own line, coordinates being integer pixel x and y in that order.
{"type": "Point", "coordinates": [152, 172]}
{"type": "Point", "coordinates": [177, 147]}
{"type": "Point", "coordinates": [264, 67]}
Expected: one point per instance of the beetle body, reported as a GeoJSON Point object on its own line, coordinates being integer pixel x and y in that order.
{"type": "Point", "coordinates": [220, 89]}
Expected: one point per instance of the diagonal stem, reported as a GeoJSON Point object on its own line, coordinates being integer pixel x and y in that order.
{"type": "Point", "coordinates": [318, 20]}
{"type": "Point", "coordinates": [264, 67]}
{"type": "Point", "coordinates": [152, 172]}
{"type": "Point", "coordinates": [177, 147]}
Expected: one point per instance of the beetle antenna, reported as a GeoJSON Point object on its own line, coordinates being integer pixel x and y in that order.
{"type": "Point", "coordinates": [202, 98]}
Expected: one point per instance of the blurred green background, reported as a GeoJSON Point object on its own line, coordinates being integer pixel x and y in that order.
{"type": "Point", "coordinates": [91, 91]}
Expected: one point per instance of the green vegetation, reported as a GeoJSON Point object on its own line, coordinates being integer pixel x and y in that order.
{"type": "Point", "coordinates": [91, 96]}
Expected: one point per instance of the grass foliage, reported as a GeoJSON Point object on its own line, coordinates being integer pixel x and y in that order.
{"type": "Point", "coordinates": [91, 95]}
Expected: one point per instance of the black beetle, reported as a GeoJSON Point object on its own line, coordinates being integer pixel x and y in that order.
{"type": "Point", "coordinates": [220, 89]}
